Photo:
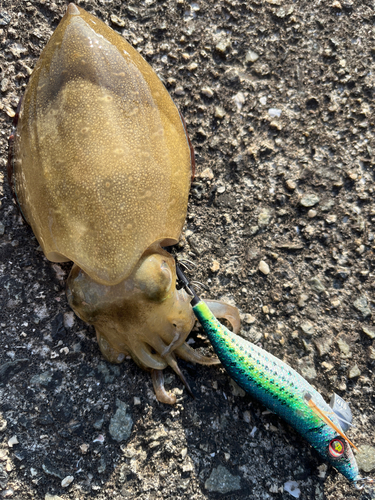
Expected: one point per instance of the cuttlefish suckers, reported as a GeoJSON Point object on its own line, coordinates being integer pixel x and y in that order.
{"type": "Point", "coordinates": [101, 168]}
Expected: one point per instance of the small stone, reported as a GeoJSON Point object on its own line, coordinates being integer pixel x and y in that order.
{"type": "Point", "coordinates": [192, 66]}
{"type": "Point", "coordinates": [236, 389]}
{"type": "Point", "coordinates": [222, 46]}
{"type": "Point", "coordinates": [249, 319]}
{"type": "Point", "coordinates": [84, 448]}
{"type": "Point", "coordinates": [309, 200]}
{"type": "Point", "coordinates": [121, 423]}
{"type": "Point", "coordinates": [219, 112]}
{"type": "Point", "coordinates": [264, 267]}
{"type": "Point", "coordinates": [52, 497]}
{"type": "Point", "coordinates": [331, 219]}
{"type": "Point", "coordinates": [323, 345]}
{"type": "Point", "coordinates": [98, 424]}
{"type": "Point", "coordinates": [215, 266]}
{"type": "Point", "coordinates": [344, 347]}
{"type": "Point", "coordinates": [2, 229]}
{"type": "Point", "coordinates": [291, 185]}
{"type": "Point", "coordinates": [366, 458]}
{"type": "Point", "coordinates": [369, 331]}
{"type": "Point", "coordinates": [179, 91]}
{"type": "Point", "coordinates": [316, 285]}
{"type": "Point", "coordinates": [67, 481]}
{"type": "Point", "coordinates": [207, 92]}
{"type": "Point", "coordinates": [266, 309]}
{"type": "Point", "coordinates": [222, 481]}
{"type": "Point", "coordinates": [311, 213]}
{"type": "Point", "coordinates": [308, 328]}
{"type": "Point", "coordinates": [274, 112]}
{"type": "Point", "coordinates": [116, 20]}
{"type": "Point", "coordinates": [362, 306]}
{"type": "Point", "coordinates": [207, 174]}
{"type": "Point", "coordinates": [291, 487]}
{"type": "Point", "coordinates": [239, 100]}
{"type": "Point", "coordinates": [136, 401]}
{"type": "Point", "coordinates": [307, 370]}
{"type": "Point", "coordinates": [335, 303]}
{"type": "Point", "coordinates": [251, 56]}
{"type": "Point", "coordinates": [354, 371]}
{"type": "Point", "coordinates": [12, 441]}
{"type": "Point", "coordinates": [102, 465]}
{"type": "Point", "coordinates": [336, 5]}
{"type": "Point", "coordinates": [264, 217]}
{"type": "Point", "coordinates": [302, 299]}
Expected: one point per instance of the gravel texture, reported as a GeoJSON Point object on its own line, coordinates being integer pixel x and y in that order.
{"type": "Point", "coordinates": [279, 102]}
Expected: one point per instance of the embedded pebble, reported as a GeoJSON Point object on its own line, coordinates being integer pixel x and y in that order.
{"type": "Point", "coordinates": [335, 302]}
{"type": "Point", "coordinates": [343, 346]}
{"type": "Point", "coordinates": [52, 497]}
{"type": "Point", "coordinates": [121, 423]}
{"type": "Point", "coordinates": [264, 267]}
{"type": "Point", "coordinates": [302, 299]}
{"type": "Point", "coordinates": [291, 487]}
{"type": "Point", "coordinates": [323, 345]}
{"type": "Point", "coordinates": [307, 370]}
{"type": "Point", "coordinates": [264, 217]}
{"type": "Point", "coordinates": [354, 371]}
{"type": "Point", "coordinates": [84, 448]}
{"type": "Point", "coordinates": [366, 458]}
{"type": "Point", "coordinates": [316, 285]}
{"type": "Point", "coordinates": [309, 200]}
{"type": "Point", "coordinates": [222, 481]}
{"type": "Point", "coordinates": [239, 100]}
{"type": "Point", "coordinates": [251, 56]}
{"type": "Point", "coordinates": [12, 441]}
{"type": "Point", "coordinates": [207, 91]}
{"type": "Point", "coordinates": [215, 266]}
{"type": "Point", "coordinates": [308, 328]}
{"type": "Point", "coordinates": [362, 306]}
{"type": "Point", "coordinates": [369, 331]}
{"type": "Point", "coordinates": [67, 481]}
{"type": "Point", "coordinates": [274, 112]}
{"type": "Point", "coordinates": [219, 112]}
{"type": "Point", "coordinates": [2, 229]}
{"type": "Point", "coordinates": [291, 185]}
{"type": "Point", "coordinates": [248, 318]}
{"type": "Point", "coordinates": [223, 45]}
{"type": "Point", "coordinates": [207, 174]}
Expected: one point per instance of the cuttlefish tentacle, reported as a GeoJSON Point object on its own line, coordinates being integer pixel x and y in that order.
{"type": "Point", "coordinates": [187, 353]}
{"type": "Point", "coordinates": [222, 310]}
{"type": "Point", "coordinates": [161, 394]}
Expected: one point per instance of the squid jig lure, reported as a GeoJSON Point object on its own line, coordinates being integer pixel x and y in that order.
{"type": "Point", "coordinates": [283, 391]}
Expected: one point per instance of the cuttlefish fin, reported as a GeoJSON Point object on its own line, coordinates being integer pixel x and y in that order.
{"type": "Point", "coordinates": [321, 414]}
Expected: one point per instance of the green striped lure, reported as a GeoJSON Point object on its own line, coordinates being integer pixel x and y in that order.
{"type": "Point", "coordinates": [281, 389]}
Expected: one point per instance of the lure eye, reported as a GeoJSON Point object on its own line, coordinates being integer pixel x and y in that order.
{"type": "Point", "coordinates": [336, 448]}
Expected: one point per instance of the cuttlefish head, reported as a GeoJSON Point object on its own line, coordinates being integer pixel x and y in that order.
{"type": "Point", "coordinates": [144, 316]}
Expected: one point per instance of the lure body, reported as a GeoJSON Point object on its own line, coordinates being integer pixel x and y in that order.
{"type": "Point", "coordinates": [281, 389]}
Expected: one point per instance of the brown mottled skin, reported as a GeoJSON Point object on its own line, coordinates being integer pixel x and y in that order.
{"type": "Point", "coordinates": [102, 169]}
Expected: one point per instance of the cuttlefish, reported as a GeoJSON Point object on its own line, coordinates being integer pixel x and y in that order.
{"type": "Point", "coordinates": [101, 166]}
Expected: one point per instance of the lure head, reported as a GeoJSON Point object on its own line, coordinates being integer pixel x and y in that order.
{"type": "Point", "coordinates": [325, 433]}
{"type": "Point", "coordinates": [101, 165]}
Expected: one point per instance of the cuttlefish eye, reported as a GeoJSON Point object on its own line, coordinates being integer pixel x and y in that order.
{"type": "Point", "coordinates": [154, 277]}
